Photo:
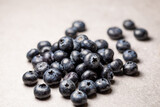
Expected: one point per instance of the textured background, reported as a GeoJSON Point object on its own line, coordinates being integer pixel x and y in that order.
{"type": "Point", "coordinates": [25, 22]}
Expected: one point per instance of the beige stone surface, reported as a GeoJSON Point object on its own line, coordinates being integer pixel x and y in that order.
{"type": "Point", "coordinates": [25, 22]}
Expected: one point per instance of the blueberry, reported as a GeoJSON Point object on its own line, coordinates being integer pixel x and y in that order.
{"type": "Point", "coordinates": [52, 76]}
{"type": "Point", "coordinates": [40, 69]}
{"type": "Point", "coordinates": [80, 25]}
{"type": "Point", "coordinates": [141, 34]}
{"type": "Point", "coordinates": [80, 69]}
{"type": "Point", "coordinates": [101, 44]}
{"type": "Point", "coordinates": [59, 55]}
{"type": "Point", "coordinates": [67, 65]}
{"type": "Point", "coordinates": [31, 54]}
{"type": "Point", "coordinates": [78, 98]}
{"type": "Point", "coordinates": [55, 47]}
{"type": "Point", "coordinates": [42, 91]}
{"type": "Point", "coordinates": [116, 66]}
{"type": "Point", "coordinates": [42, 44]}
{"type": "Point", "coordinates": [129, 25]}
{"type": "Point", "coordinates": [67, 87]}
{"type": "Point", "coordinates": [114, 33]}
{"type": "Point", "coordinates": [71, 32]}
{"type": "Point", "coordinates": [102, 85]}
{"type": "Point", "coordinates": [58, 66]}
{"type": "Point", "coordinates": [37, 59]}
{"type": "Point", "coordinates": [88, 87]}
{"type": "Point", "coordinates": [76, 45]}
{"type": "Point", "coordinates": [90, 45]}
{"type": "Point", "coordinates": [30, 78]}
{"type": "Point", "coordinates": [80, 38]}
{"type": "Point", "coordinates": [122, 45]}
{"type": "Point", "coordinates": [45, 49]}
{"type": "Point", "coordinates": [48, 57]}
{"type": "Point", "coordinates": [106, 55]}
{"type": "Point", "coordinates": [75, 57]}
{"type": "Point", "coordinates": [84, 52]}
{"type": "Point", "coordinates": [66, 44]}
{"type": "Point", "coordinates": [130, 68]}
{"type": "Point", "coordinates": [130, 55]}
{"type": "Point", "coordinates": [92, 60]}
{"type": "Point", "coordinates": [89, 75]}
{"type": "Point", "coordinates": [107, 73]}
{"type": "Point", "coordinates": [71, 76]}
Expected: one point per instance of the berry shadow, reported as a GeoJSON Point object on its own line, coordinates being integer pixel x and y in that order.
{"type": "Point", "coordinates": [92, 96]}
{"type": "Point", "coordinates": [147, 39]}
{"type": "Point", "coordinates": [44, 99]}
{"type": "Point", "coordinates": [54, 86]}
{"type": "Point", "coordinates": [138, 74]}
{"type": "Point", "coordinates": [112, 81]}
{"type": "Point", "coordinates": [118, 74]}
{"type": "Point", "coordinates": [30, 86]}
{"type": "Point", "coordinates": [67, 98]}
{"type": "Point", "coordinates": [106, 92]}
{"type": "Point", "coordinates": [84, 105]}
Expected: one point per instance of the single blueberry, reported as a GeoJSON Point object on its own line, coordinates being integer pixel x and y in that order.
{"type": "Point", "coordinates": [31, 53]}
{"type": "Point", "coordinates": [78, 98]}
{"type": "Point", "coordinates": [75, 57]}
{"type": "Point", "coordinates": [90, 45]}
{"type": "Point", "coordinates": [80, 25]}
{"type": "Point", "coordinates": [141, 34]}
{"type": "Point", "coordinates": [102, 85]}
{"type": "Point", "coordinates": [129, 24]}
{"type": "Point", "coordinates": [114, 33]}
{"type": "Point", "coordinates": [84, 52]}
{"type": "Point", "coordinates": [59, 55]}
{"type": "Point", "coordinates": [76, 45]}
{"type": "Point", "coordinates": [80, 38]}
{"type": "Point", "coordinates": [101, 44]}
{"type": "Point", "coordinates": [48, 57]}
{"type": "Point", "coordinates": [89, 75]}
{"type": "Point", "coordinates": [107, 73]}
{"type": "Point", "coordinates": [80, 69]}
{"type": "Point", "coordinates": [30, 78]}
{"type": "Point", "coordinates": [42, 44]}
{"type": "Point", "coordinates": [71, 76]}
{"type": "Point", "coordinates": [130, 68]}
{"type": "Point", "coordinates": [40, 69]}
{"type": "Point", "coordinates": [58, 66]}
{"type": "Point", "coordinates": [52, 76]}
{"type": "Point", "coordinates": [122, 45]}
{"type": "Point", "coordinates": [130, 55]}
{"type": "Point", "coordinates": [42, 91]}
{"type": "Point", "coordinates": [88, 87]}
{"type": "Point", "coordinates": [67, 65]}
{"type": "Point", "coordinates": [55, 47]}
{"type": "Point", "coordinates": [44, 50]}
{"type": "Point", "coordinates": [71, 32]}
{"type": "Point", "coordinates": [67, 87]}
{"type": "Point", "coordinates": [37, 59]}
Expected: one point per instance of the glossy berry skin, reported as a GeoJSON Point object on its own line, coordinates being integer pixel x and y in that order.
{"type": "Point", "coordinates": [59, 55]}
{"type": "Point", "coordinates": [102, 85]}
{"type": "Point", "coordinates": [45, 49]}
{"type": "Point", "coordinates": [52, 76]}
{"type": "Point", "coordinates": [107, 73]}
{"type": "Point", "coordinates": [58, 66]}
{"type": "Point", "coordinates": [31, 53]}
{"type": "Point", "coordinates": [92, 60]}
{"type": "Point", "coordinates": [116, 65]}
{"type": "Point", "coordinates": [30, 78]}
{"type": "Point", "coordinates": [106, 55]}
{"type": "Point", "coordinates": [42, 44]}
{"type": "Point", "coordinates": [55, 47]}
{"type": "Point", "coordinates": [130, 55]}
{"type": "Point", "coordinates": [122, 45]}
{"type": "Point", "coordinates": [141, 34]}
{"type": "Point", "coordinates": [42, 91]}
{"type": "Point", "coordinates": [80, 38]}
{"type": "Point", "coordinates": [78, 98]}
{"type": "Point", "coordinates": [76, 45]}
{"type": "Point", "coordinates": [80, 25]}
{"type": "Point", "coordinates": [101, 44]}
{"type": "Point", "coordinates": [48, 57]}
{"type": "Point", "coordinates": [67, 65]}
{"type": "Point", "coordinates": [66, 88]}
{"type": "Point", "coordinates": [88, 87]}
{"type": "Point", "coordinates": [130, 68]}
{"type": "Point", "coordinates": [37, 59]}
{"type": "Point", "coordinates": [114, 33]}
{"type": "Point", "coordinates": [80, 69]}
{"type": "Point", "coordinates": [66, 44]}
{"type": "Point", "coordinates": [90, 45]}
{"type": "Point", "coordinates": [40, 69]}
{"type": "Point", "coordinates": [84, 52]}
{"type": "Point", "coordinates": [71, 32]}
{"type": "Point", "coordinates": [89, 75]}
{"type": "Point", "coordinates": [71, 76]}
{"type": "Point", "coordinates": [75, 57]}
{"type": "Point", "coordinates": [129, 25]}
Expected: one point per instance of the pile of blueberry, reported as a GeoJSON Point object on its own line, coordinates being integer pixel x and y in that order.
{"type": "Point", "coordinates": [76, 61]}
